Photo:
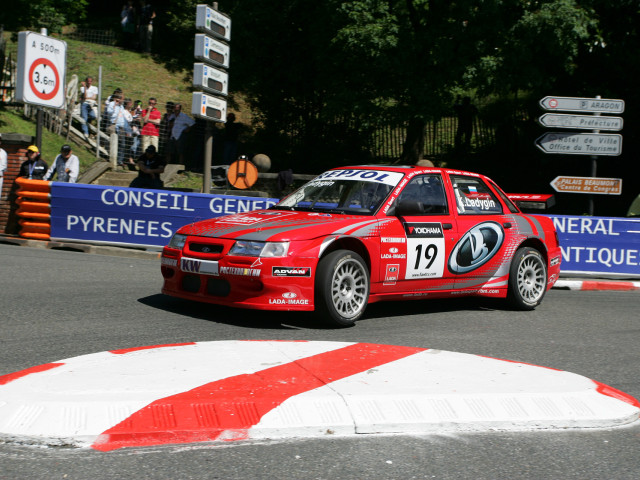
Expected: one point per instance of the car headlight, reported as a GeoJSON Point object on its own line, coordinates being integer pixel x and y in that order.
{"type": "Point", "coordinates": [177, 241]}
{"type": "Point", "coordinates": [259, 249]}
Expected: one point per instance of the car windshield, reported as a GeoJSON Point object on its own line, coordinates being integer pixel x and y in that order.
{"type": "Point", "coordinates": [343, 191]}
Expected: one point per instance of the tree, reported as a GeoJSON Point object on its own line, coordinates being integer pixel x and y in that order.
{"type": "Point", "coordinates": [49, 14]}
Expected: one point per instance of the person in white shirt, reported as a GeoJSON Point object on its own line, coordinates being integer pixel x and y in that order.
{"type": "Point", "coordinates": [89, 96]}
{"type": "Point", "coordinates": [66, 165]}
{"type": "Point", "coordinates": [3, 165]}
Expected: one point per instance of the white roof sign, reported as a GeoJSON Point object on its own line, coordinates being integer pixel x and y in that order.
{"type": "Point", "coordinates": [592, 122]}
{"type": "Point", "coordinates": [566, 143]}
{"type": "Point", "coordinates": [576, 104]}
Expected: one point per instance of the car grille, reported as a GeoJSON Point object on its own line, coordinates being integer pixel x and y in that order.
{"type": "Point", "coordinates": [210, 248]}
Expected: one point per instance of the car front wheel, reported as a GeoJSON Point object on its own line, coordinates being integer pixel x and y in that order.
{"type": "Point", "coordinates": [527, 279]}
{"type": "Point", "coordinates": [342, 288]}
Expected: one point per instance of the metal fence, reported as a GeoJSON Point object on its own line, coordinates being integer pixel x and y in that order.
{"type": "Point", "coordinates": [381, 142]}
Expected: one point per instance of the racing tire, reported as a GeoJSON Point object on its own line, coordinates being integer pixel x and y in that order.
{"type": "Point", "coordinates": [527, 279]}
{"type": "Point", "coordinates": [341, 288]}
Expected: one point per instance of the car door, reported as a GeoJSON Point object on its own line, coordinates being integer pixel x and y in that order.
{"type": "Point", "coordinates": [417, 237]}
{"type": "Point", "coordinates": [480, 257]}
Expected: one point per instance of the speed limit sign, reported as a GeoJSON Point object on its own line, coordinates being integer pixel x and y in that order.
{"type": "Point", "coordinates": [41, 72]}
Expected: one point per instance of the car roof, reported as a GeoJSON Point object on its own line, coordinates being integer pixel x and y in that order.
{"type": "Point", "coordinates": [410, 168]}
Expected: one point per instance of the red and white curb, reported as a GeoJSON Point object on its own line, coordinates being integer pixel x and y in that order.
{"type": "Point", "coordinates": [234, 390]}
{"type": "Point", "coordinates": [597, 285]}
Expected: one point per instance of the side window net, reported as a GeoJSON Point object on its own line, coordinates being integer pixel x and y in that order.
{"type": "Point", "coordinates": [473, 197]}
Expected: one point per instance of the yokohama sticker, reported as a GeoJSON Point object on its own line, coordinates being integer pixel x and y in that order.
{"type": "Point", "coordinates": [476, 247]}
{"type": "Point", "coordinates": [425, 250]}
{"type": "Point", "coordinates": [291, 271]}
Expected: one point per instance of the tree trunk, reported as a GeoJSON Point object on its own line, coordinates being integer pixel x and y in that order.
{"type": "Point", "coordinates": [413, 147]}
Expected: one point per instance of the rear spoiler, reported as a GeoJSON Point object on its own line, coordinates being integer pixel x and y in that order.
{"type": "Point", "coordinates": [532, 201]}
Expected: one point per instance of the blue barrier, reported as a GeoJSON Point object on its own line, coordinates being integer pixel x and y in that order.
{"type": "Point", "coordinates": [134, 216]}
{"type": "Point", "coordinates": [599, 245]}
{"type": "Point", "coordinates": [148, 218]}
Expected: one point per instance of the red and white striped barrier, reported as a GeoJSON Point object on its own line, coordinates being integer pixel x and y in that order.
{"type": "Point", "coordinates": [235, 390]}
{"type": "Point", "coordinates": [597, 285]}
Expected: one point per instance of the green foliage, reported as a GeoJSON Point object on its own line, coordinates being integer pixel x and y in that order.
{"type": "Point", "coordinates": [49, 14]}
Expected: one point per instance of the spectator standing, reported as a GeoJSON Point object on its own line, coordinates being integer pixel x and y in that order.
{"type": "Point", "coordinates": [465, 111]}
{"type": "Point", "coordinates": [146, 26]}
{"type": "Point", "coordinates": [34, 168]}
{"type": "Point", "coordinates": [166, 125]}
{"type": "Point", "coordinates": [66, 165]}
{"type": "Point", "coordinates": [136, 127]}
{"type": "Point", "coordinates": [3, 165]}
{"type": "Point", "coordinates": [230, 136]}
{"type": "Point", "coordinates": [182, 123]}
{"type": "Point", "coordinates": [151, 117]}
{"type": "Point", "coordinates": [89, 102]}
{"type": "Point", "coordinates": [128, 22]}
{"type": "Point", "coordinates": [106, 116]}
{"type": "Point", "coordinates": [118, 117]}
{"type": "Point", "coordinates": [150, 167]}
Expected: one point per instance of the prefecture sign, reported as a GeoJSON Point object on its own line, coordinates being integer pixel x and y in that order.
{"type": "Point", "coordinates": [575, 104]}
{"type": "Point", "coordinates": [599, 186]}
{"type": "Point", "coordinates": [588, 122]}
{"type": "Point", "coordinates": [580, 143]}
{"type": "Point", "coordinates": [41, 70]}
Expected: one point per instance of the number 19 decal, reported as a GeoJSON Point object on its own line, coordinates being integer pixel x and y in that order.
{"type": "Point", "coordinates": [425, 250]}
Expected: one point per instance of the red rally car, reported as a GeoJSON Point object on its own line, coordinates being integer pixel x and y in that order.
{"type": "Point", "coordinates": [356, 235]}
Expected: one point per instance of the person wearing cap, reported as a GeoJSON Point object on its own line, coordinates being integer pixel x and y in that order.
{"type": "Point", "coordinates": [34, 168]}
{"type": "Point", "coordinates": [66, 165]}
{"type": "Point", "coordinates": [150, 167]}
{"type": "Point", "coordinates": [3, 165]}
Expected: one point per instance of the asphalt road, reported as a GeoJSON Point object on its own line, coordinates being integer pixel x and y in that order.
{"type": "Point", "coordinates": [59, 304]}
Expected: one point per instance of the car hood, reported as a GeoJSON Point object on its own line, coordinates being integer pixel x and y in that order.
{"type": "Point", "coordinates": [277, 226]}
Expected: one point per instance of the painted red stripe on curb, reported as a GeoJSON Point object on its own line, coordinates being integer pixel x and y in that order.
{"type": "Point", "coordinates": [615, 393]}
{"type": "Point", "coordinates": [122, 351]}
{"type": "Point", "coordinates": [10, 377]}
{"type": "Point", "coordinates": [228, 408]}
{"type": "Point", "coordinates": [593, 285]}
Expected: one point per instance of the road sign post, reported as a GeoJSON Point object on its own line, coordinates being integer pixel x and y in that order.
{"type": "Point", "coordinates": [41, 70]}
{"type": "Point", "coordinates": [585, 105]}
{"type": "Point", "coordinates": [580, 143]}
{"type": "Point", "coordinates": [594, 144]}
{"type": "Point", "coordinates": [592, 185]}
{"type": "Point", "coordinates": [583, 122]}
{"type": "Point", "coordinates": [211, 49]}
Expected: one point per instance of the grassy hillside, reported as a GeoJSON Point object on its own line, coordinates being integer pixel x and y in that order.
{"type": "Point", "coordinates": [137, 74]}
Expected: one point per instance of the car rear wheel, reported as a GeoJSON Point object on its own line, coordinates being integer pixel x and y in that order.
{"type": "Point", "coordinates": [342, 288]}
{"type": "Point", "coordinates": [527, 279]}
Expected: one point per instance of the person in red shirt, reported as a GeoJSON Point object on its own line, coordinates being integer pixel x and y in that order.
{"type": "Point", "coordinates": [151, 118]}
